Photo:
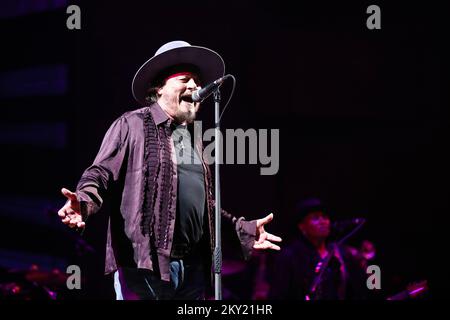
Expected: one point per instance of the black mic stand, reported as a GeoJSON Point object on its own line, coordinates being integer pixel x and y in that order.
{"type": "Point", "coordinates": [217, 211]}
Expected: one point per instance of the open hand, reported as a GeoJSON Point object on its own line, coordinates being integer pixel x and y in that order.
{"type": "Point", "coordinates": [263, 238]}
{"type": "Point", "coordinates": [70, 213]}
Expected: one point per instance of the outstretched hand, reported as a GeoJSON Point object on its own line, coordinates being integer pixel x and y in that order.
{"type": "Point", "coordinates": [263, 238]}
{"type": "Point", "coordinates": [70, 213]}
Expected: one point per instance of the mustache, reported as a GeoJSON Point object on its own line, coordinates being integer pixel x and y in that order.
{"type": "Point", "coordinates": [186, 97]}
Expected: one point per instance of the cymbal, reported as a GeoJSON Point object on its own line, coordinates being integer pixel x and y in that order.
{"type": "Point", "coordinates": [30, 284]}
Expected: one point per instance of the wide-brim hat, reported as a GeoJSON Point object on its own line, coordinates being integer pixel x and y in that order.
{"type": "Point", "coordinates": [209, 64]}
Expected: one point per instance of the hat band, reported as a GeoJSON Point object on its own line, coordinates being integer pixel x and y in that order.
{"type": "Point", "coordinates": [178, 74]}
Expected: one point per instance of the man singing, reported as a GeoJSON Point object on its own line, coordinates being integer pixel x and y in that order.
{"type": "Point", "coordinates": [161, 225]}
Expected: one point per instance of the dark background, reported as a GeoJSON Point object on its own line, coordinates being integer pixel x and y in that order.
{"type": "Point", "coordinates": [361, 115]}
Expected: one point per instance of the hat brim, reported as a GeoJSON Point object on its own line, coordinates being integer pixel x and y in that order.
{"type": "Point", "coordinates": [209, 63]}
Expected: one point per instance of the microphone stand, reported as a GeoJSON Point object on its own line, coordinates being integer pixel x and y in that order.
{"type": "Point", "coordinates": [217, 156]}
{"type": "Point", "coordinates": [323, 264]}
{"type": "Point", "coordinates": [217, 211]}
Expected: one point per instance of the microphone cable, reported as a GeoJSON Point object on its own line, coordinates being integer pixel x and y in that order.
{"type": "Point", "coordinates": [231, 94]}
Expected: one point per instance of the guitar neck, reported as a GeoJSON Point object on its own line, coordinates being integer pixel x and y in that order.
{"type": "Point", "coordinates": [413, 291]}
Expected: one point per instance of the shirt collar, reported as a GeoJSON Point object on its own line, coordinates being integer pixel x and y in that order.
{"type": "Point", "coordinates": [158, 114]}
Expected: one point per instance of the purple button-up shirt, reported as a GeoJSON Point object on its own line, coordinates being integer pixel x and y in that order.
{"type": "Point", "coordinates": [118, 171]}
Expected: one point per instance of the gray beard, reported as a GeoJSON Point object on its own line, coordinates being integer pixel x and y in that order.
{"type": "Point", "coordinates": [187, 117]}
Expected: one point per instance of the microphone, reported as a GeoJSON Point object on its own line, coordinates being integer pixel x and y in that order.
{"type": "Point", "coordinates": [343, 224]}
{"type": "Point", "coordinates": [202, 94]}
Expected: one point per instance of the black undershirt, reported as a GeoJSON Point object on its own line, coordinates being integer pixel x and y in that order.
{"type": "Point", "coordinates": [190, 194]}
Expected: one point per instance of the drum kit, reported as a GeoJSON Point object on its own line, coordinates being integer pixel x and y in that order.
{"type": "Point", "coordinates": [31, 284]}
{"type": "Point", "coordinates": [36, 284]}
